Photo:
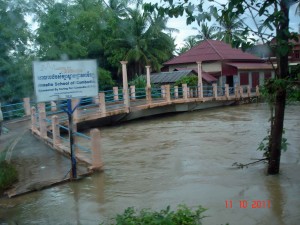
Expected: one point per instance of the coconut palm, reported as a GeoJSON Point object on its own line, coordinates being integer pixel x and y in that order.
{"type": "Point", "coordinates": [206, 32]}
{"type": "Point", "coordinates": [230, 28]}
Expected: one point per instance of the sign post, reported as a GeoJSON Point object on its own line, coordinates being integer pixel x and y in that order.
{"type": "Point", "coordinates": [56, 80]}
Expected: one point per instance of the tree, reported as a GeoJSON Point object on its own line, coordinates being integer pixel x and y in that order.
{"type": "Point", "coordinates": [206, 32]}
{"type": "Point", "coordinates": [189, 43]}
{"type": "Point", "coordinates": [271, 20]}
{"type": "Point", "coordinates": [140, 39]}
{"type": "Point", "coordinates": [14, 39]}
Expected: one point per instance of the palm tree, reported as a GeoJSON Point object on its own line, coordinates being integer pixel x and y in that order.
{"type": "Point", "coordinates": [141, 41]}
{"type": "Point", "coordinates": [230, 28]}
{"type": "Point", "coordinates": [206, 32]}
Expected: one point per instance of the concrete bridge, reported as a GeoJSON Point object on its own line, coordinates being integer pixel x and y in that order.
{"type": "Point", "coordinates": [50, 124]}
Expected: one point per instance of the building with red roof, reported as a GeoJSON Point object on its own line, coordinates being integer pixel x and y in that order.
{"type": "Point", "coordinates": [227, 64]}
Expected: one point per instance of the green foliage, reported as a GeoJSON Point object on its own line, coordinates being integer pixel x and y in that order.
{"type": "Point", "coordinates": [264, 145]}
{"type": "Point", "coordinates": [182, 216]}
{"type": "Point", "coordinates": [8, 175]}
{"type": "Point", "coordinates": [105, 80]}
{"type": "Point", "coordinates": [191, 81]}
{"type": "Point", "coordinates": [139, 81]}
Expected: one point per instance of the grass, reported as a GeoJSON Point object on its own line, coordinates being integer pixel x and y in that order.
{"type": "Point", "coordinates": [8, 173]}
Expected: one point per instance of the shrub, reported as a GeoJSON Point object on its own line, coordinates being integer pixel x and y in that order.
{"type": "Point", "coordinates": [182, 216]}
{"type": "Point", "coordinates": [8, 175]}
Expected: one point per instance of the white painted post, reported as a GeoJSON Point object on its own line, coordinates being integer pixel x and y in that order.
{"type": "Point", "coordinates": [163, 92]}
{"type": "Point", "coordinates": [200, 82]}
{"type": "Point", "coordinates": [168, 93]}
{"type": "Point", "coordinates": [248, 91]}
{"type": "Point", "coordinates": [227, 91]}
{"type": "Point", "coordinates": [257, 91]}
{"type": "Point", "coordinates": [236, 91]}
{"type": "Point", "coordinates": [176, 92]}
{"type": "Point", "coordinates": [102, 103]}
{"type": "Point", "coordinates": [33, 119]}
{"type": "Point", "coordinates": [97, 163]}
{"type": "Point", "coordinates": [148, 95]}
{"type": "Point", "coordinates": [96, 100]}
{"type": "Point", "coordinates": [125, 84]}
{"type": "Point", "coordinates": [241, 91]}
{"type": "Point", "coordinates": [215, 90]}
{"type": "Point", "coordinates": [53, 106]}
{"type": "Point", "coordinates": [185, 91]}
{"type": "Point", "coordinates": [26, 105]}
{"type": "Point", "coordinates": [132, 92]}
{"type": "Point", "coordinates": [41, 107]}
{"type": "Point", "coordinates": [116, 93]}
{"type": "Point", "coordinates": [148, 76]}
{"type": "Point", "coordinates": [55, 131]}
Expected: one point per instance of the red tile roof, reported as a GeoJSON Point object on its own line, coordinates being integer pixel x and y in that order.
{"type": "Point", "coordinates": [211, 50]}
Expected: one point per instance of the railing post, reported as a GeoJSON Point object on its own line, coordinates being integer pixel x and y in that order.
{"type": "Point", "coordinates": [248, 91]}
{"type": "Point", "coordinates": [215, 90]}
{"type": "Point", "coordinates": [75, 102]}
{"type": "Point", "coordinates": [33, 119]}
{"type": "Point", "coordinates": [168, 93]}
{"type": "Point", "coordinates": [97, 163]}
{"type": "Point", "coordinates": [200, 83]}
{"type": "Point", "coordinates": [102, 103]}
{"type": "Point", "coordinates": [26, 105]}
{"type": "Point", "coordinates": [132, 92]}
{"type": "Point", "coordinates": [42, 120]}
{"type": "Point", "coordinates": [55, 131]}
{"type": "Point", "coordinates": [176, 92]}
{"type": "Point", "coordinates": [227, 91]}
{"type": "Point", "coordinates": [96, 100]}
{"type": "Point", "coordinates": [125, 84]}
{"type": "Point", "coordinates": [148, 95]}
{"type": "Point", "coordinates": [148, 76]}
{"type": "Point", "coordinates": [163, 92]}
{"type": "Point", "coordinates": [241, 92]}
{"type": "Point", "coordinates": [185, 91]}
{"type": "Point", "coordinates": [257, 91]}
{"type": "Point", "coordinates": [53, 106]}
{"type": "Point", "coordinates": [116, 93]}
{"type": "Point", "coordinates": [236, 91]}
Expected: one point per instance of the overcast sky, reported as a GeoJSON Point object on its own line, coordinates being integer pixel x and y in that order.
{"type": "Point", "coordinates": [186, 30]}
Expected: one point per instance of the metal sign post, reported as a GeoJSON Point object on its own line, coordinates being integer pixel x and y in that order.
{"type": "Point", "coordinates": [70, 111]}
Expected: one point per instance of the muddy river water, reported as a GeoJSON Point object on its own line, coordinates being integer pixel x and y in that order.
{"type": "Point", "coordinates": [179, 159]}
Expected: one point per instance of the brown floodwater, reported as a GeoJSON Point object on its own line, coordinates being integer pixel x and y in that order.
{"type": "Point", "coordinates": [179, 159]}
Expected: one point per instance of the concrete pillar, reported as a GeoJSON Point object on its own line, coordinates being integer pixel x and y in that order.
{"type": "Point", "coordinates": [188, 92]}
{"type": "Point", "coordinates": [75, 102]}
{"type": "Point", "coordinates": [200, 83]}
{"type": "Point", "coordinates": [148, 76]}
{"type": "Point", "coordinates": [43, 124]}
{"type": "Point", "coordinates": [215, 90]}
{"type": "Point", "coordinates": [163, 92]}
{"type": "Point", "coordinates": [176, 92]}
{"type": "Point", "coordinates": [261, 78]}
{"type": "Point", "coordinates": [132, 92]}
{"type": "Point", "coordinates": [257, 91]}
{"type": "Point", "coordinates": [248, 90]}
{"type": "Point", "coordinates": [227, 90]}
{"type": "Point", "coordinates": [41, 107]}
{"type": "Point", "coordinates": [185, 91]}
{"type": "Point", "coordinates": [116, 93]}
{"type": "Point", "coordinates": [236, 90]}
{"type": "Point", "coordinates": [96, 100]}
{"type": "Point", "coordinates": [97, 163]}
{"type": "Point", "coordinates": [33, 119]}
{"type": "Point", "coordinates": [26, 105]}
{"type": "Point", "coordinates": [53, 106]}
{"type": "Point", "coordinates": [168, 93]}
{"type": "Point", "coordinates": [250, 78]}
{"type": "Point", "coordinates": [241, 92]}
{"type": "Point", "coordinates": [148, 95]}
{"type": "Point", "coordinates": [125, 84]}
{"type": "Point", "coordinates": [102, 103]}
{"type": "Point", "coordinates": [55, 131]}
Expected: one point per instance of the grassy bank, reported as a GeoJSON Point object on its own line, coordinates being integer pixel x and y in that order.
{"type": "Point", "coordinates": [8, 174]}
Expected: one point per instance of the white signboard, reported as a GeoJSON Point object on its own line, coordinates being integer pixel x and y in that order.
{"type": "Point", "coordinates": [55, 80]}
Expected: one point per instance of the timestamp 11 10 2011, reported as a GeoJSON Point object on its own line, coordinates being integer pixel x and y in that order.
{"type": "Point", "coordinates": [244, 204]}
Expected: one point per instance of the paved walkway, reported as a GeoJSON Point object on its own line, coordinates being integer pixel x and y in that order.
{"type": "Point", "coordinates": [37, 164]}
